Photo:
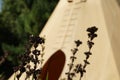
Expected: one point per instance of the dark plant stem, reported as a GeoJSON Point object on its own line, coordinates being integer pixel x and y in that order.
{"type": "Point", "coordinates": [30, 56]}
{"type": "Point", "coordinates": [91, 35]}
{"type": "Point", "coordinates": [71, 74]}
{"type": "Point", "coordinates": [81, 69]}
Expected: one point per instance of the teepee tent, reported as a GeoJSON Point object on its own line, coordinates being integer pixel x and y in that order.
{"type": "Point", "coordinates": [69, 22]}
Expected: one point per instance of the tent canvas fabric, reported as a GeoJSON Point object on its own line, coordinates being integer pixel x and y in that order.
{"type": "Point", "coordinates": [69, 22]}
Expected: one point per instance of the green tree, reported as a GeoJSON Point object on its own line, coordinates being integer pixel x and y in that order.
{"type": "Point", "coordinates": [18, 19]}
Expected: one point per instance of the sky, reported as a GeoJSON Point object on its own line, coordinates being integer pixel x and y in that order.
{"type": "Point", "coordinates": [0, 5]}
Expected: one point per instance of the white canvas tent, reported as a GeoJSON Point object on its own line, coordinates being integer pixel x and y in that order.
{"type": "Point", "coordinates": [69, 22]}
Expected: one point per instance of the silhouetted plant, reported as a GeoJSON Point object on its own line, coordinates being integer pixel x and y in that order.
{"type": "Point", "coordinates": [71, 74]}
{"type": "Point", "coordinates": [31, 57]}
{"type": "Point", "coordinates": [81, 68]}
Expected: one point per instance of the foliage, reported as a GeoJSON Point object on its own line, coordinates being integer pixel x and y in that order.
{"type": "Point", "coordinates": [18, 19]}
{"type": "Point", "coordinates": [81, 68]}
{"type": "Point", "coordinates": [31, 57]}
